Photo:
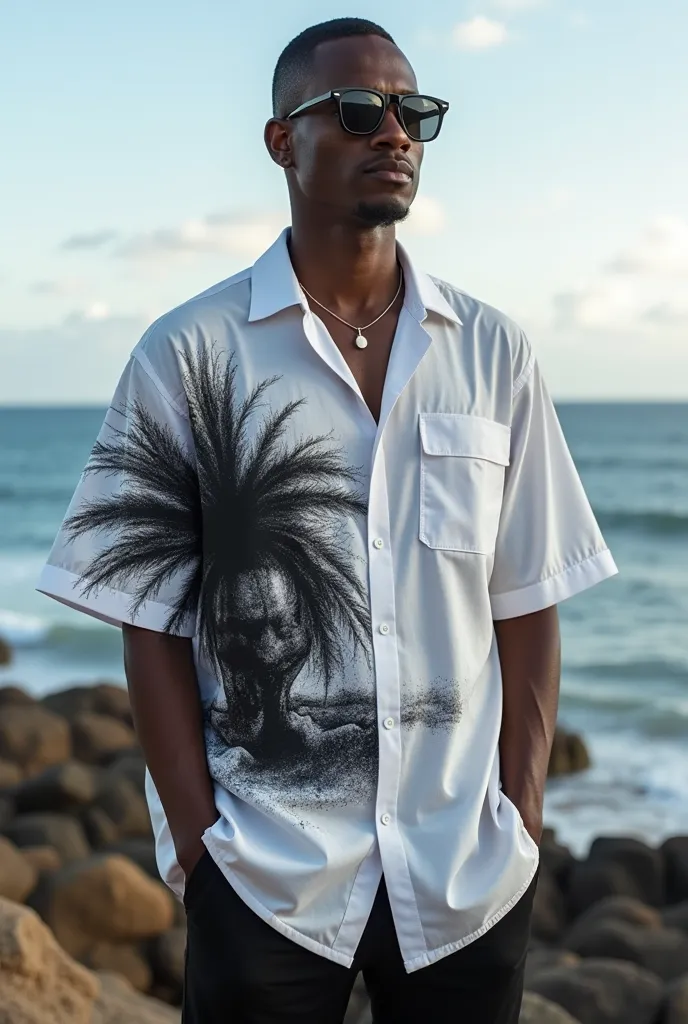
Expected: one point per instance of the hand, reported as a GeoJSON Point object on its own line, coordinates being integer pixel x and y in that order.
{"type": "Point", "coordinates": [188, 856]}
{"type": "Point", "coordinates": [534, 827]}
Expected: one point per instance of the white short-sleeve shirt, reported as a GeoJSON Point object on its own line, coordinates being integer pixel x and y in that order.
{"type": "Point", "coordinates": [340, 578]}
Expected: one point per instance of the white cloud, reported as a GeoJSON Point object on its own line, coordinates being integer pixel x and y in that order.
{"type": "Point", "coordinates": [243, 235]}
{"type": "Point", "coordinates": [427, 217]}
{"type": "Point", "coordinates": [479, 33]}
{"type": "Point", "coordinates": [517, 6]}
{"type": "Point", "coordinates": [89, 240]}
{"type": "Point", "coordinates": [643, 288]}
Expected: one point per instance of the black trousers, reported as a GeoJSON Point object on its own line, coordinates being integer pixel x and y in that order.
{"type": "Point", "coordinates": [239, 970]}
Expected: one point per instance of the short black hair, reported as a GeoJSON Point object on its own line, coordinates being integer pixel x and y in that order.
{"type": "Point", "coordinates": [291, 71]}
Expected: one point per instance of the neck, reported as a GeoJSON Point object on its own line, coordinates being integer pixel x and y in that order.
{"type": "Point", "coordinates": [345, 269]}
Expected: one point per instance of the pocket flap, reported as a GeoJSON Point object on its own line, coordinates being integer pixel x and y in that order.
{"type": "Point", "coordinates": [473, 437]}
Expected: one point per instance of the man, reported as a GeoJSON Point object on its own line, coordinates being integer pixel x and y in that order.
{"type": "Point", "coordinates": [333, 511]}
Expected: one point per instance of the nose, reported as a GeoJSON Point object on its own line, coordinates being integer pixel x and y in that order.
{"type": "Point", "coordinates": [390, 134]}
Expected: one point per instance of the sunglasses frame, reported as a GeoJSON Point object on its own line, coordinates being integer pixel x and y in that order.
{"type": "Point", "coordinates": [387, 99]}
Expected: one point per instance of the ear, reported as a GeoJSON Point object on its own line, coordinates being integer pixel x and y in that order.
{"type": "Point", "coordinates": [278, 142]}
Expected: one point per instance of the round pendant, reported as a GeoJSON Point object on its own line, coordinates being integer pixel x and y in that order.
{"type": "Point", "coordinates": [361, 342]}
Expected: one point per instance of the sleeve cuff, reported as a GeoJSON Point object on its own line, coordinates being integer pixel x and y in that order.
{"type": "Point", "coordinates": [555, 589]}
{"type": "Point", "coordinates": [106, 604]}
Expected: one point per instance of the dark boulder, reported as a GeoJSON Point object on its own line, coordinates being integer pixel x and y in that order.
{"type": "Point", "coordinates": [549, 909]}
{"type": "Point", "coordinates": [675, 854]}
{"type": "Point", "coordinates": [62, 787]}
{"type": "Point", "coordinates": [603, 992]}
{"type": "Point", "coordinates": [643, 863]}
{"type": "Point", "coordinates": [663, 951]}
{"type": "Point", "coordinates": [62, 832]}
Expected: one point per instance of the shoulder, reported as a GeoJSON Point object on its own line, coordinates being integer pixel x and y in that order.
{"type": "Point", "coordinates": [490, 328]}
{"type": "Point", "coordinates": [203, 320]}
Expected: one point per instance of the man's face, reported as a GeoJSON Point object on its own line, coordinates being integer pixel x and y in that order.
{"type": "Point", "coordinates": [372, 178]}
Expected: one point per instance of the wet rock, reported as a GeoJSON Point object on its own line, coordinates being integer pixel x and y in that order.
{"type": "Point", "coordinates": [43, 828]}
{"type": "Point", "coordinates": [123, 959]}
{"type": "Point", "coordinates": [603, 992]}
{"type": "Point", "coordinates": [644, 864]}
{"type": "Point", "coordinates": [100, 699]}
{"type": "Point", "coordinates": [549, 909]}
{"type": "Point", "coordinates": [537, 1010]}
{"type": "Point", "coordinates": [663, 951]}
{"type": "Point", "coordinates": [33, 738]}
{"type": "Point", "coordinates": [17, 876]}
{"type": "Point", "coordinates": [10, 774]}
{"type": "Point", "coordinates": [126, 808]}
{"type": "Point", "coordinates": [543, 959]}
{"type": "Point", "coordinates": [167, 954]}
{"type": "Point", "coordinates": [119, 1003]}
{"type": "Point", "coordinates": [14, 695]}
{"type": "Point", "coordinates": [62, 787]}
{"type": "Point", "coordinates": [129, 764]}
{"type": "Point", "coordinates": [569, 754]}
{"type": "Point", "coordinates": [101, 830]}
{"type": "Point", "coordinates": [676, 916]}
{"type": "Point", "coordinates": [556, 858]}
{"type": "Point", "coordinates": [591, 881]}
{"type": "Point", "coordinates": [45, 859]}
{"type": "Point", "coordinates": [6, 811]}
{"type": "Point", "coordinates": [675, 854]}
{"type": "Point", "coordinates": [623, 909]}
{"type": "Point", "coordinates": [97, 737]}
{"type": "Point", "coordinates": [5, 652]}
{"type": "Point", "coordinates": [102, 899]}
{"type": "Point", "coordinates": [675, 1009]}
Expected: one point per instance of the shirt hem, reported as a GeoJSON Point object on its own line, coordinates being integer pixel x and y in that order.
{"type": "Point", "coordinates": [267, 915]}
{"type": "Point", "coordinates": [570, 581]}
{"type": "Point", "coordinates": [106, 604]}
{"type": "Point", "coordinates": [433, 955]}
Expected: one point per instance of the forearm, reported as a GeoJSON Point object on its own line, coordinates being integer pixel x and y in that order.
{"type": "Point", "coordinates": [530, 657]}
{"type": "Point", "coordinates": [167, 716]}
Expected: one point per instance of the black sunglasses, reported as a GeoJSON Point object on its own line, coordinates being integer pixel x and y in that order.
{"type": "Point", "coordinates": [361, 111]}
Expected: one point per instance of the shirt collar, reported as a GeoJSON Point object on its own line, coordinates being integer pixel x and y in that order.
{"type": "Point", "coordinates": [274, 286]}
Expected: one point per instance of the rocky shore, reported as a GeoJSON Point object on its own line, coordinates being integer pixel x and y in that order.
{"type": "Point", "coordinates": [88, 933]}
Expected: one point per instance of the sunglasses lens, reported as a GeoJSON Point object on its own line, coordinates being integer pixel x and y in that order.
{"type": "Point", "coordinates": [362, 111]}
{"type": "Point", "coordinates": [421, 116]}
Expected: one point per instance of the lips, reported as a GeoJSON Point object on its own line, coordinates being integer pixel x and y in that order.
{"type": "Point", "coordinates": [398, 171]}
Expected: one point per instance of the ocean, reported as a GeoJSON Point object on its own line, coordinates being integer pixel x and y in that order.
{"type": "Point", "coordinates": [625, 643]}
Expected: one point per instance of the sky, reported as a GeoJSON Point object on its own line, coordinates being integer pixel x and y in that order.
{"type": "Point", "coordinates": [133, 175]}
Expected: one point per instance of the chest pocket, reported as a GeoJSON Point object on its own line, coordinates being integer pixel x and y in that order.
{"type": "Point", "coordinates": [463, 459]}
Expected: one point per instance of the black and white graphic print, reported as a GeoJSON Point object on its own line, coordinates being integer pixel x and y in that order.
{"type": "Point", "coordinates": [256, 523]}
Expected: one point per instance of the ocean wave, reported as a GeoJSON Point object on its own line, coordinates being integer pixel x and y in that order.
{"type": "Point", "coordinates": [657, 523]}
{"type": "Point", "coordinates": [30, 631]}
{"type": "Point", "coordinates": [674, 671]}
{"type": "Point", "coordinates": [625, 462]}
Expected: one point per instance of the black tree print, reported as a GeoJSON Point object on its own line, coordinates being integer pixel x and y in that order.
{"type": "Point", "coordinates": [256, 528]}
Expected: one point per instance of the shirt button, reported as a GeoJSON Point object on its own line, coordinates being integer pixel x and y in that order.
{"type": "Point", "coordinates": [378, 543]}
{"type": "Point", "coordinates": [386, 819]}
{"type": "Point", "coordinates": [388, 723]}
{"type": "Point", "coordinates": [384, 629]}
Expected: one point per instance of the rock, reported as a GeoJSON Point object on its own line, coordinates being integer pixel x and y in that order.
{"type": "Point", "coordinates": [644, 864]}
{"type": "Point", "coordinates": [663, 951]}
{"type": "Point", "coordinates": [100, 699]}
{"type": "Point", "coordinates": [102, 899]}
{"type": "Point", "coordinates": [537, 1010]}
{"type": "Point", "coordinates": [10, 774]}
{"type": "Point", "coordinates": [549, 909]}
{"type": "Point", "coordinates": [41, 984]}
{"type": "Point", "coordinates": [33, 738]}
{"type": "Point", "coordinates": [17, 876]}
{"type": "Point", "coordinates": [603, 992]}
{"type": "Point", "coordinates": [676, 916]}
{"type": "Point", "coordinates": [141, 851]}
{"type": "Point", "coordinates": [100, 829]}
{"type": "Point", "coordinates": [539, 960]}
{"type": "Point", "coordinates": [14, 695]}
{"type": "Point", "coordinates": [675, 854]}
{"type": "Point", "coordinates": [556, 859]}
{"type": "Point", "coordinates": [120, 1004]}
{"type": "Point", "coordinates": [62, 787]}
{"type": "Point", "coordinates": [569, 754]}
{"type": "Point", "coordinates": [126, 808]}
{"type": "Point", "coordinates": [44, 859]}
{"type": "Point", "coordinates": [167, 956]}
{"type": "Point", "coordinates": [42, 828]}
{"type": "Point", "coordinates": [5, 652]}
{"type": "Point", "coordinates": [591, 881]}
{"type": "Point", "coordinates": [97, 737]}
{"type": "Point", "coordinates": [129, 764]}
{"type": "Point", "coordinates": [612, 908]}
{"type": "Point", "coordinates": [6, 811]}
{"type": "Point", "coordinates": [123, 959]}
{"type": "Point", "coordinates": [675, 1010]}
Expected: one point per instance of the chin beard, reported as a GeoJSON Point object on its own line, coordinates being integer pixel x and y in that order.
{"type": "Point", "coordinates": [383, 213]}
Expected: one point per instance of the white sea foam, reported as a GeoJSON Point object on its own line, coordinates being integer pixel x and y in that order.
{"type": "Point", "coordinates": [23, 630]}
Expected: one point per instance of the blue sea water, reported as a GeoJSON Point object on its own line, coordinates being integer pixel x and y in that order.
{"type": "Point", "coordinates": [625, 676]}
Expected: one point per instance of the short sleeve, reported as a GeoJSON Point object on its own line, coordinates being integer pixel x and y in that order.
{"type": "Point", "coordinates": [128, 549]}
{"type": "Point", "coordinates": [549, 546]}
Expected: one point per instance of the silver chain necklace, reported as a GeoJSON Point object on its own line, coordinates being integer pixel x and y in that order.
{"type": "Point", "coordinates": [360, 340]}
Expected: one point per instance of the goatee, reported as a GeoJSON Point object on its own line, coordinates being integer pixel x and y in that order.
{"type": "Point", "coordinates": [382, 214]}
